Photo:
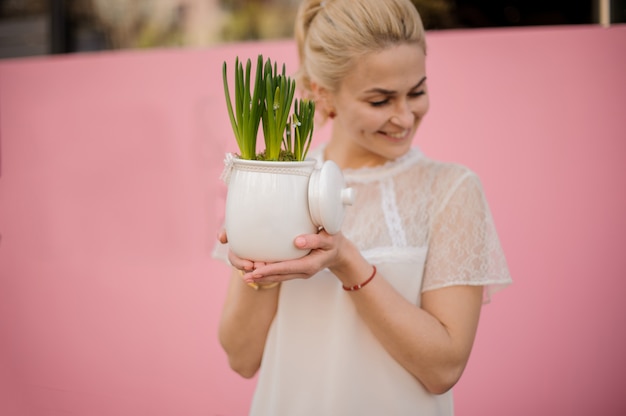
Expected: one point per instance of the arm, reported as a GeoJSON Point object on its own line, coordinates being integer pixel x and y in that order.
{"type": "Point", "coordinates": [246, 318]}
{"type": "Point", "coordinates": [432, 342]}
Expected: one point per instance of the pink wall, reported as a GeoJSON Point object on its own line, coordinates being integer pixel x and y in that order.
{"type": "Point", "coordinates": [109, 203]}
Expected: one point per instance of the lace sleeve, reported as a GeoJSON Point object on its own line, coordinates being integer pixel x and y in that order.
{"type": "Point", "coordinates": [464, 248]}
{"type": "Point", "coordinates": [220, 252]}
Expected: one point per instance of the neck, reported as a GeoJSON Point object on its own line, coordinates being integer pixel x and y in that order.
{"type": "Point", "coordinates": [347, 157]}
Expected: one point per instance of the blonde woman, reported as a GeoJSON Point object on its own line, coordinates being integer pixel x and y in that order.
{"type": "Point", "coordinates": [380, 318]}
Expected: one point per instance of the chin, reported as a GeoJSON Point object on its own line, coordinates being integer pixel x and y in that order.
{"type": "Point", "coordinates": [393, 154]}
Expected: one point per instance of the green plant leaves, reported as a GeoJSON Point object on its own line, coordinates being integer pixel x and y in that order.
{"type": "Point", "coordinates": [246, 116]}
{"type": "Point", "coordinates": [299, 141]}
{"type": "Point", "coordinates": [279, 92]}
{"type": "Point", "coordinates": [270, 102]}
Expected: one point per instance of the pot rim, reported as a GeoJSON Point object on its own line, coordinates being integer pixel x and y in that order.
{"type": "Point", "coordinates": [281, 163]}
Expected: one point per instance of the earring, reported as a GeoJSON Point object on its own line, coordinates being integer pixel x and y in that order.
{"type": "Point", "coordinates": [332, 115]}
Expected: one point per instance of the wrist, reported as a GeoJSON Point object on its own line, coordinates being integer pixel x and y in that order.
{"type": "Point", "coordinates": [351, 268]}
{"type": "Point", "coordinates": [361, 285]}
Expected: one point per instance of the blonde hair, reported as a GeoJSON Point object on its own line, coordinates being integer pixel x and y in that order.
{"type": "Point", "coordinates": [333, 34]}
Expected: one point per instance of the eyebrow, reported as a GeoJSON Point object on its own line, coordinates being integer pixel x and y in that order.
{"type": "Point", "coordinates": [390, 92]}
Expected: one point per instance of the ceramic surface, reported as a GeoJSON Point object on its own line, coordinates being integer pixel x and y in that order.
{"type": "Point", "coordinates": [270, 203]}
{"type": "Point", "coordinates": [267, 208]}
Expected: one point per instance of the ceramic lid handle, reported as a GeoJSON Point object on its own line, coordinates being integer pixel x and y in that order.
{"type": "Point", "coordinates": [347, 196]}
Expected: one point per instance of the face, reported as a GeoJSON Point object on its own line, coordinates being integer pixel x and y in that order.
{"type": "Point", "coordinates": [379, 107]}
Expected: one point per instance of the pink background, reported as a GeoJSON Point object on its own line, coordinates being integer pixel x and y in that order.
{"type": "Point", "coordinates": [110, 201]}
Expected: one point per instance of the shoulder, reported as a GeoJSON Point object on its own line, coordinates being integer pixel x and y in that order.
{"type": "Point", "coordinates": [444, 170]}
{"type": "Point", "coordinates": [447, 183]}
{"type": "Point", "coordinates": [444, 177]}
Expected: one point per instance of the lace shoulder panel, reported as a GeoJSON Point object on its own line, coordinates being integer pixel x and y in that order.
{"type": "Point", "coordinates": [464, 248]}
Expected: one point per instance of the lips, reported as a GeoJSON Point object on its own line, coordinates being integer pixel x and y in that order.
{"type": "Point", "coordinates": [397, 136]}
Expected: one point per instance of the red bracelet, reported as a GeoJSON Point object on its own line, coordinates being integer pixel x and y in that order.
{"type": "Point", "coordinates": [359, 286]}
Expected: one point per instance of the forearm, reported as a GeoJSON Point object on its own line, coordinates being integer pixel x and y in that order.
{"type": "Point", "coordinates": [246, 319]}
{"type": "Point", "coordinates": [435, 351]}
{"type": "Point", "coordinates": [413, 337]}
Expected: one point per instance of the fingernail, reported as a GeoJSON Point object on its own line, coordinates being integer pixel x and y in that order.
{"type": "Point", "coordinates": [300, 241]}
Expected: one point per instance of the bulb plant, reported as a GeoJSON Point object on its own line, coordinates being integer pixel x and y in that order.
{"type": "Point", "coordinates": [268, 100]}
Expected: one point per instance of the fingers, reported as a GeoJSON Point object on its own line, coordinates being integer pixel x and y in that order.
{"type": "Point", "coordinates": [274, 278]}
{"type": "Point", "coordinates": [242, 264]}
{"type": "Point", "coordinates": [323, 252]}
{"type": "Point", "coordinates": [221, 236]}
{"type": "Point", "coordinates": [301, 268]}
{"type": "Point", "coordinates": [255, 277]}
{"type": "Point", "coordinates": [236, 261]}
{"type": "Point", "coordinates": [319, 241]}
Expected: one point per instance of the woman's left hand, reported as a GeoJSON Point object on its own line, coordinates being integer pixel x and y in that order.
{"type": "Point", "coordinates": [325, 253]}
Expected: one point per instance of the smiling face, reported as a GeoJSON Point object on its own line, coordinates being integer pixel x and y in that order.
{"type": "Point", "coordinates": [378, 107]}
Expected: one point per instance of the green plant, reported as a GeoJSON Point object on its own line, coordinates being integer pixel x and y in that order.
{"type": "Point", "coordinates": [298, 142]}
{"type": "Point", "coordinates": [268, 100]}
{"type": "Point", "coordinates": [246, 116]}
{"type": "Point", "coordinates": [279, 91]}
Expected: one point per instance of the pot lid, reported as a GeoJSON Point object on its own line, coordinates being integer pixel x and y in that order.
{"type": "Point", "coordinates": [328, 197]}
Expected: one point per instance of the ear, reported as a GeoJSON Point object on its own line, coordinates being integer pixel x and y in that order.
{"type": "Point", "coordinates": [323, 98]}
{"type": "Point", "coordinates": [317, 91]}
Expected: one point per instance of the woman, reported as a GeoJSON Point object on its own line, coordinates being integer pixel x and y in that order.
{"type": "Point", "coordinates": [381, 317]}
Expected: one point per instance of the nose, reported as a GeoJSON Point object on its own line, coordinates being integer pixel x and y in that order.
{"type": "Point", "coordinates": [403, 116]}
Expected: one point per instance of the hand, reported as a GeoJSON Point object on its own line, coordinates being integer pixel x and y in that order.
{"type": "Point", "coordinates": [325, 253]}
{"type": "Point", "coordinates": [242, 265]}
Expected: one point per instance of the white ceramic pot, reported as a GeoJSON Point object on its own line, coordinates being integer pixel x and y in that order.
{"type": "Point", "coordinates": [270, 203]}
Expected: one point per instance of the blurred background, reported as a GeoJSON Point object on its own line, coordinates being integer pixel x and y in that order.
{"type": "Point", "coordinates": [110, 198]}
{"type": "Point", "coordinates": [41, 27]}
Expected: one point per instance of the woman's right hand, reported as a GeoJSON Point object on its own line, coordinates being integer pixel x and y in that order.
{"type": "Point", "coordinates": [243, 265]}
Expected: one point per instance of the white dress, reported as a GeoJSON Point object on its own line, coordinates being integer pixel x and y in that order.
{"type": "Point", "coordinates": [425, 225]}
